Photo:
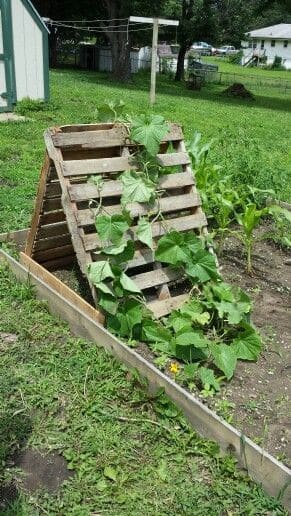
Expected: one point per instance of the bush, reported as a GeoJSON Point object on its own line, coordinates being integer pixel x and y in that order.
{"type": "Point", "coordinates": [277, 64]}
{"type": "Point", "coordinates": [236, 58]}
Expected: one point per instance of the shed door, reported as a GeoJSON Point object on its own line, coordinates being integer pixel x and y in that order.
{"type": "Point", "coordinates": [7, 89]}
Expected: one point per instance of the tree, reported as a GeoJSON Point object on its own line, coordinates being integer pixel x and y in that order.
{"type": "Point", "coordinates": [196, 22]}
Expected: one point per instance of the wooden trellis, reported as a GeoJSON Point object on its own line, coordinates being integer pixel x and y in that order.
{"type": "Point", "coordinates": [62, 228]}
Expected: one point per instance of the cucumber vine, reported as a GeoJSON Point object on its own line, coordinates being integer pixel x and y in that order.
{"type": "Point", "coordinates": [212, 329]}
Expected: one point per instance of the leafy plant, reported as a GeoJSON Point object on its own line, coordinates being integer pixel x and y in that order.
{"type": "Point", "coordinates": [249, 220]}
{"type": "Point", "coordinates": [149, 130]}
{"type": "Point", "coordinates": [210, 331]}
{"type": "Point", "coordinates": [110, 111]}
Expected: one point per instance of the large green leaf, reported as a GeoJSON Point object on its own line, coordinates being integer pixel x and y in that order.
{"type": "Point", "coordinates": [110, 111]}
{"type": "Point", "coordinates": [149, 130]}
{"type": "Point", "coordinates": [202, 266]}
{"type": "Point", "coordinates": [171, 249]}
{"type": "Point", "coordinates": [108, 302]}
{"type": "Point", "coordinates": [152, 331]}
{"type": "Point", "coordinates": [191, 345]}
{"type": "Point", "coordinates": [236, 310]}
{"type": "Point", "coordinates": [99, 271]}
{"type": "Point", "coordinates": [144, 232]}
{"type": "Point", "coordinates": [128, 284]}
{"type": "Point", "coordinates": [129, 314]}
{"type": "Point", "coordinates": [247, 345]}
{"type": "Point", "coordinates": [111, 228]}
{"type": "Point", "coordinates": [207, 378]}
{"type": "Point", "coordinates": [122, 253]}
{"type": "Point", "coordinates": [225, 358]}
{"type": "Point", "coordinates": [179, 321]}
{"type": "Point", "coordinates": [185, 337]}
{"type": "Point", "coordinates": [194, 310]}
{"type": "Point", "coordinates": [136, 188]}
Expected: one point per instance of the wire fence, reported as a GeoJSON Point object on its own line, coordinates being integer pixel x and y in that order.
{"type": "Point", "coordinates": [99, 59]}
{"type": "Point", "coordinates": [251, 81]}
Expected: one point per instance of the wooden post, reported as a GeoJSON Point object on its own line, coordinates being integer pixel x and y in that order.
{"type": "Point", "coordinates": [154, 61]}
{"type": "Point", "coordinates": [156, 22]}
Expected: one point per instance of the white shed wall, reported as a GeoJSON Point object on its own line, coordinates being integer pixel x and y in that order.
{"type": "Point", "coordinates": [28, 54]}
{"type": "Point", "coordinates": [3, 87]}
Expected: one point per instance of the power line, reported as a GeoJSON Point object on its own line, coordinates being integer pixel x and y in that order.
{"type": "Point", "coordinates": [93, 20]}
{"type": "Point", "coordinates": [111, 29]}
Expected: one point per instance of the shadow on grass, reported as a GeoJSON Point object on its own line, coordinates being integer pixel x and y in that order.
{"type": "Point", "coordinates": [167, 86]}
{"type": "Point", "coordinates": [14, 430]}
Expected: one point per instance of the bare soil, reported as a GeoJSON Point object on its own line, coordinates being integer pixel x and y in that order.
{"type": "Point", "coordinates": [36, 470]}
{"type": "Point", "coordinates": [42, 470]}
{"type": "Point", "coordinates": [261, 391]}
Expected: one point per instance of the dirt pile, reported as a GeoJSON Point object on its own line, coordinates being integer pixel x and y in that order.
{"type": "Point", "coordinates": [238, 90]}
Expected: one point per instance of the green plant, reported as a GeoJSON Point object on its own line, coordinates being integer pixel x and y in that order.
{"type": "Point", "coordinates": [212, 329]}
{"type": "Point", "coordinates": [249, 220]}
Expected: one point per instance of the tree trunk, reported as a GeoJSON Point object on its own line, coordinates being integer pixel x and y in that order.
{"type": "Point", "coordinates": [180, 63]}
{"type": "Point", "coordinates": [120, 51]}
{"type": "Point", "coordinates": [120, 44]}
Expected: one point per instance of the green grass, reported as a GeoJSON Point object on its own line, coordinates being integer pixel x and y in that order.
{"type": "Point", "coordinates": [261, 73]}
{"type": "Point", "coordinates": [252, 138]}
{"type": "Point", "coordinates": [61, 393]}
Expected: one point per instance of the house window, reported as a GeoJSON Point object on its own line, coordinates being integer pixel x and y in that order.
{"type": "Point", "coordinates": [254, 43]}
{"type": "Point", "coordinates": [262, 44]}
{"type": "Point", "coordinates": [273, 42]}
{"type": "Point", "coordinates": [285, 43]}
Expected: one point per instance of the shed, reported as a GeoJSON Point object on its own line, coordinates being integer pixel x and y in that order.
{"type": "Point", "coordinates": [24, 66]}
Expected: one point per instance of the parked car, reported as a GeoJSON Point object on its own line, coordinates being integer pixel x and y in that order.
{"type": "Point", "coordinates": [202, 48]}
{"type": "Point", "coordinates": [226, 50]}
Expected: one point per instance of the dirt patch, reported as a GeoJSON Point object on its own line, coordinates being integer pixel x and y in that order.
{"type": "Point", "coordinates": [42, 471]}
{"type": "Point", "coordinates": [261, 391]}
{"type": "Point", "coordinates": [238, 90]}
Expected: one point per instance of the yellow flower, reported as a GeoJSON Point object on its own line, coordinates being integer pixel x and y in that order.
{"type": "Point", "coordinates": [174, 368]}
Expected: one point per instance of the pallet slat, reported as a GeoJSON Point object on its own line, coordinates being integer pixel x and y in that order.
{"type": "Point", "coordinates": [51, 243]}
{"type": "Point", "coordinates": [173, 158]}
{"type": "Point", "coordinates": [164, 307]}
{"type": "Point", "coordinates": [51, 230]}
{"type": "Point", "coordinates": [51, 254]}
{"type": "Point", "coordinates": [116, 136]}
{"type": "Point", "coordinates": [85, 191]}
{"type": "Point", "coordinates": [87, 167]}
{"type": "Point", "coordinates": [157, 277]}
{"type": "Point", "coordinates": [166, 205]}
{"type": "Point", "coordinates": [91, 241]}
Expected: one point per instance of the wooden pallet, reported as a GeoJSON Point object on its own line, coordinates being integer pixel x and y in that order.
{"type": "Point", "coordinates": [63, 222]}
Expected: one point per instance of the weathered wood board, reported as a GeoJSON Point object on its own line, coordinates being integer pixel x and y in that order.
{"type": "Point", "coordinates": [62, 227]}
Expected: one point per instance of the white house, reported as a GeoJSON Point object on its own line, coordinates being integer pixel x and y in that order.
{"type": "Point", "coordinates": [24, 69]}
{"type": "Point", "coordinates": [270, 42]}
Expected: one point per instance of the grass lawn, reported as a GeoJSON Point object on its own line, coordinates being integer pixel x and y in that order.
{"type": "Point", "coordinates": [261, 73]}
{"type": "Point", "coordinates": [130, 454]}
{"type": "Point", "coordinates": [252, 138]}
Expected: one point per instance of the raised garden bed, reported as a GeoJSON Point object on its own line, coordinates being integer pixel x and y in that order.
{"type": "Point", "coordinates": [261, 466]}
